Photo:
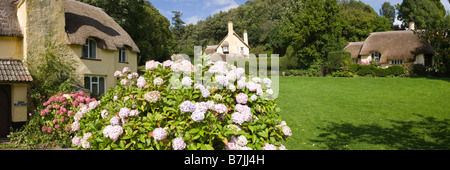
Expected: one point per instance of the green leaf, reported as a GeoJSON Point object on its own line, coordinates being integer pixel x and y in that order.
{"type": "Point", "coordinates": [121, 144]}
{"type": "Point", "coordinates": [142, 138]}
{"type": "Point", "coordinates": [208, 147]}
{"type": "Point", "coordinates": [194, 131]}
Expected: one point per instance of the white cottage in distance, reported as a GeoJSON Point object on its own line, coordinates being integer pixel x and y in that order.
{"type": "Point", "coordinates": [231, 44]}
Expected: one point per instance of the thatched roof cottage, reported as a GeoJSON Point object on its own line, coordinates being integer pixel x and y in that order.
{"type": "Point", "coordinates": [97, 44]}
{"type": "Point", "coordinates": [391, 48]}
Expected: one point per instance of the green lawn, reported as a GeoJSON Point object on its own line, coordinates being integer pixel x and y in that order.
{"type": "Point", "coordinates": [366, 113]}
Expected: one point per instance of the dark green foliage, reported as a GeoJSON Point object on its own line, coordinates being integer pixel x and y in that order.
{"type": "Point", "coordinates": [368, 70]}
{"type": "Point", "coordinates": [388, 11]}
{"type": "Point", "coordinates": [337, 60]}
{"type": "Point", "coordinates": [425, 13]}
{"type": "Point", "coordinates": [396, 70]}
{"type": "Point", "coordinates": [52, 70]}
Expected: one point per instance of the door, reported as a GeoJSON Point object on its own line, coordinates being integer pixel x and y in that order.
{"type": "Point", "coordinates": [5, 110]}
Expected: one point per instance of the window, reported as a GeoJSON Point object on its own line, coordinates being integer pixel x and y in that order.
{"type": "Point", "coordinates": [123, 55]}
{"type": "Point", "coordinates": [95, 84]}
{"type": "Point", "coordinates": [355, 60]}
{"type": "Point", "coordinates": [242, 48]}
{"type": "Point", "coordinates": [376, 56]}
{"type": "Point", "coordinates": [397, 62]}
{"type": "Point", "coordinates": [89, 49]}
{"type": "Point", "coordinates": [225, 49]}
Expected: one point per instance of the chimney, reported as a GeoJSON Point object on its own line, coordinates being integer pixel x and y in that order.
{"type": "Point", "coordinates": [411, 25]}
{"type": "Point", "coordinates": [245, 37]}
{"type": "Point", "coordinates": [230, 28]}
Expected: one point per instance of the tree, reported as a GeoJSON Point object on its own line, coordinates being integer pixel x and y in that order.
{"type": "Point", "coordinates": [425, 13]}
{"type": "Point", "coordinates": [388, 11]}
{"type": "Point", "coordinates": [360, 19]}
{"type": "Point", "coordinates": [314, 32]}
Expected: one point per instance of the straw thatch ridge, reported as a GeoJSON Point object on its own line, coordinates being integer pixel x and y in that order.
{"type": "Point", "coordinates": [354, 48]}
{"type": "Point", "coordinates": [9, 24]}
{"type": "Point", "coordinates": [395, 45]}
{"type": "Point", "coordinates": [84, 21]}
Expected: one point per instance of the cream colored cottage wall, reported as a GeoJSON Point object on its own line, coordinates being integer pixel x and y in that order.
{"type": "Point", "coordinates": [19, 94]}
{"type": "Point", "coordinates": [234, 46]}
{"type": "Point", "coordinates": [106, 65]}
{"type": "Point", "coordinates": [11, 48]}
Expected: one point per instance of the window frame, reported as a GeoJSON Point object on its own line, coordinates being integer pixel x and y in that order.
{"type": "Point", "coordinates": [123, 55]}
{"type": "Point", "coordinates": [95, 83]}
{"type": "Point", "coordinates": [90, 44]}
{"type": "Point", "coordinates": [375, 56]}
{"type": "Point", "coordinates": [396, 62]}
{"type": "Point", "coordinates": [227, 49]}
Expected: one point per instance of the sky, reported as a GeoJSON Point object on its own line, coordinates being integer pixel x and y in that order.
{"type": "Point", "coordinates": [195, 10]}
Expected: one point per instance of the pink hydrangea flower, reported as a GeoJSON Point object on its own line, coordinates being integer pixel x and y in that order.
{"type": "Point", "coordinates": [242, 98]}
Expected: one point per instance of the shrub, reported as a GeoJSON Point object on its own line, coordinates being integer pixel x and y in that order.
{"type": "Point", "coordinates": [152, 111]}
{"type": "Point", "coordinates": [396, 70]}
{"type": "Point", "coordinates": [380, 72]}
{"type": "Point", "coordinates": [366, 70]}
{"type": "Point", "coordinates": [51, 122]}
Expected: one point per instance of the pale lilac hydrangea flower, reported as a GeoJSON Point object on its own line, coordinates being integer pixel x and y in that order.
{"type": "Point", "coordinates": [269, 91]}
{"type": "Point", "coordinates": [238, 118]}
{"type": "Point", "coordinates": [186, 81]}
{"type": "Point", "coordinates": [254, 97]}
{"type": "Point", "coordinates": [167, 63]}
{"type": "Point", "coordinates": [75, 126]}
{"type": "Point", "coordinates": [268, 146]}
{"type": "Point", "coordinates": [198, 116]}
{"type": "Point", "coordinates": [159, 134]}
{"type": "Point", "coordinates": [201, 106]}
{"type": "Point", "coordinates": [134, 113]}
{"type": "Point", "coordinates": [104, 113]}
{"type": "Point", "coordinates": [287, 131]}
{"type": "Point", "coordinates": [158, 81]}
{"type": "Point", "coordinates": [241, 98]}
{"type": "Point", "coordinates": [231, 87]}
{"type": "Point", "coordinates": [179, 144]}
{"type": "Point", "coordinates": [282, 147]}
{"type": "Point", "coordinates": [126, 70]}
{"type": "Point", "coordinates": [256, 79]}
{"type": "Point", "coordinates": [76, 140]}
{"type": "Point", "coordinates": [123, 113]}
{"type": "Point", "coordinates": [124, 82]}
{"type": "Point", "coordinates": [84, 143]}
{"type": "Point", "coordinates": [251, 86]}
{"type": "Point", "coordinates": [114, 120]}
{"type": "Point", "coordinates": [205, 92]}
{"type": "Point", "coordinates": [187, 106]}
{"type": "Point", "coordinates": [267, 82]}
{"type": "Point", "coordinates": [151, 65]}
{"type": "Point", "coordinates": [220, 108]}
{"type": "Point", "coordinates": [141, 82]}
{"type": "Point", "coordinates": [112, 132]}
{"type": "Point", "coordinates": [221, 80]}
{"type": "Point", "coordinates": [183, 66]}
{"type": "Point", "coordinates": [118, 74]}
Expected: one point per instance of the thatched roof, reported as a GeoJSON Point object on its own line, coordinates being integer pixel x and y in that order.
{"type": "Point", "coordinates": [83, 21]}
{"type": "Point", "coordinates": [354, 48]}
{"type": "Point", "coordinates": [210, 49]}
{"type": "Point", "coordinates": [395, 45]}
{"type": "Point", "coordinates": [9, 24]}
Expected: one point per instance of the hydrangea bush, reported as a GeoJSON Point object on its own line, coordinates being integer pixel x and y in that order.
{"type": "Point", "coordinates": [52, 122]}
{"type": "Point", "coordinates": [164, 110]}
